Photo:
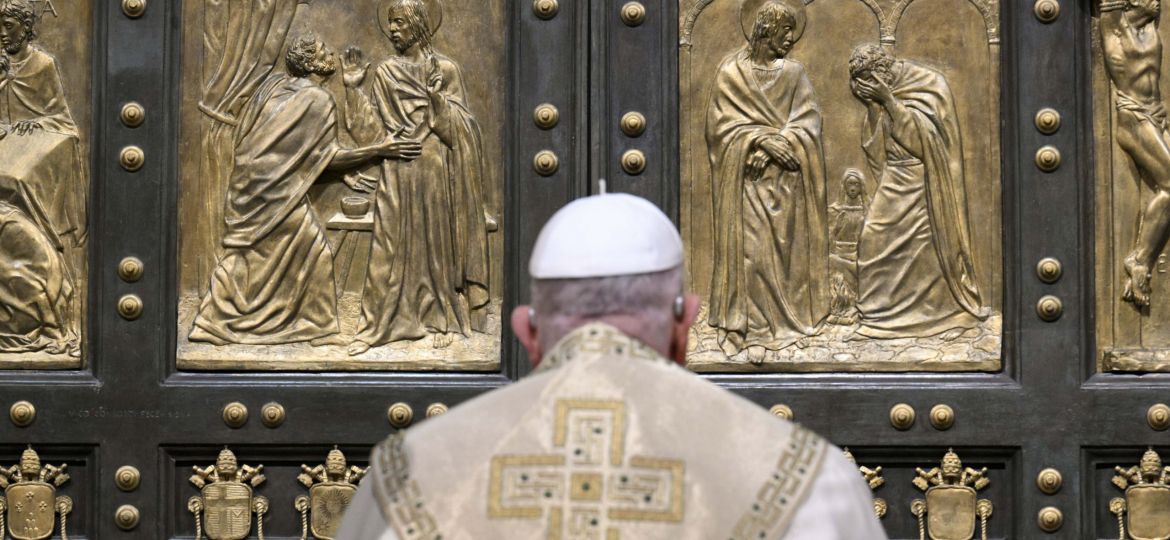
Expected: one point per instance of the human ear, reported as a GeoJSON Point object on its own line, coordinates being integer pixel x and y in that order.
{"type": "Point", "coordinates": [682, 327]}
{"type": "Point", "coordinates": [526, 332]}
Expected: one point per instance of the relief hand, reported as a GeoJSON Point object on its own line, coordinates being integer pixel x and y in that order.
{"type": "Point", "coordinates": [360, 183]}
{"type": "Point", "coordinates": [781, 151]}
{"type": "Point", "coordinates": [26, 127]}
{"type": "Point", "coordinates": [403, 149]}
{"type": "Point", "coordinates": [757, 161]}
{"type": "Point", "coordinates": [353, 67]}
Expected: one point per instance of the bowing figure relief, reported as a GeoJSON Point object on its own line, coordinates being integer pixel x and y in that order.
{"type": "Point", "coordinates": [274, 283]}
{"type": "Point", "coordinates": [770, 282]}
{"type": "Point", "coordinates": [915, 269]}
{"type": "Point", "coordinates": [428, 270]}
{"type": "Point", "coordinates": [42, 195]}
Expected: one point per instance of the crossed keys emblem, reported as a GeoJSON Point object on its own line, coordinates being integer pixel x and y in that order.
{"type": "Point", "coordinates": [226, 503]}
{"type": "Point", "coordinates": [332, 487]}
{"type": "Point", "coordinates": [951, 505]}
{"type": "Point", "coordinates": [30, 499]}
{"type": "Point", "coordinates": [1147, 499]}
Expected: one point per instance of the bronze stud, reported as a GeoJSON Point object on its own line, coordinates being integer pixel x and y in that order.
{"type": "Point", "coordinates": [132, 158]}
{"type": "Point", "coordinates": [235, 415]}
{"type": "Point", "coordinates": [126, 517]}
{"type": "Point", "coordinates": [1050, 519]}
{"type": "Point", "coordinates": [633, 162]}
{"type": "Point", "coordinates": [546, 116]}
{"type": "Point", "coordinates": [545, 163]}
{"type": "Point", "coordinates": [436, 409]}
{"type": "Point", "coordinates": [22, 413]}
{"type": "Point", "coordinates": [545, 9]}
{"type": "Point", "coordinates": [781, 410]}
{"type": "Point", "coordinates": [1049, 308]}
{"type": "Point", "coordinates": [127, 478]}
{"type": "Point", "coordinates": [133, 8]}
{"type": "Point", "coordinates": [1158, 417]}
{"type": "Point", "coordinates": [133, 115]}
{"type": "Point", "coordinates": [272, 414]}
{"type": "Point", "coordinates": [633, 14]}
{"type": "Point", "coordinates": [130, 307]}
{"type": "Point", "coordinates": [1049, 270]}
{"type": "Point", "coordinates": [942, 417]}
{"type": "Point", "coordinates": [400, 415]}
{"type": "Point", "coordinates": [902, 416]}
{"type": "Point", "coordinates": [1046, 10]}
{"type": "Point", "coordinates": [131, 269]}
{"type": "Point", "coordinates": [633, 124]}
{"type": "Point", "coordinates": [1048, 158]}
{"type": "Point", "coordinates": [1047, 121]}
{"type": "Point", "coordinates": [1049, 481]}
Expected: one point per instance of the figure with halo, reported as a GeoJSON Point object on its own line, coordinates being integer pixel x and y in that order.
{"type": "Point", "coordinates": [770, 284]}
{"type": "Point", "coordinates": [428, 272]}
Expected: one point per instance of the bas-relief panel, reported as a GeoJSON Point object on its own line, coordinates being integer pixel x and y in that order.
{"type": "Point", "coordinates": [841, 184]}
{"type": "Point", "coordinates": [340, 201]}
{"type": "Point", "coordinates": [1133, 176]}
{"type": "Point", "coordinates": [45, 73]}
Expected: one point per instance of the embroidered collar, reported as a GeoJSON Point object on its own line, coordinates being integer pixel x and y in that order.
{"type": "Point", "coordinates": [595, 340]}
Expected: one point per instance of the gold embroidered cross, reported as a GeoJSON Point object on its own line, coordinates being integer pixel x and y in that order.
{"type": "Point", "coordinates": [588, 487]}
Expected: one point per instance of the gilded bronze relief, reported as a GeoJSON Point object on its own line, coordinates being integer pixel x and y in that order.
{"type": "Point", "coordinates": [842, 170]}
{"type": "Point", "coordinates": [45, 68]}
{"type": "Point", "coordinates": [342, 209]}
{"type": "Point", "coordinates": [1132, 187]}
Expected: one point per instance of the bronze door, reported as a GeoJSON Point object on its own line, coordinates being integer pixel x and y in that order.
{"type": "Point", "coordinates": [942, 246]}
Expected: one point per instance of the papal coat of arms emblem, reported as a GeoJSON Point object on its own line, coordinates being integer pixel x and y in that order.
{"type": "Point", "coordinates": [225, 505]}
{"type": "Point", "coordinates": [952, 506]}
{"type": "Point", "coordinates": [30, 503]}
{"type": "Point", "coordinates": [1146, 506]}
{"type": "Point", "coordinates": [331, 488]}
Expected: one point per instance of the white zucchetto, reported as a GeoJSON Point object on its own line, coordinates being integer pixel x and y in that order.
{"type": "Point", "coordinates": [614, 234]}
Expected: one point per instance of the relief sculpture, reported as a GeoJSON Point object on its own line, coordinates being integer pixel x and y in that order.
{"type": "Point", "coordinates": [1134, 183]}
{"type": "Point", "coordinates": [886, 277]}
{"type": "Point", "coordinates": [43, 187]}
{"type": "Point", "coordinates": [354, 214]}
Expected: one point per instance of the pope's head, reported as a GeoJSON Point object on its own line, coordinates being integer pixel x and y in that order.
{"type": "Point", "coordinates": [17, 19]}
{"type": "Point", "coordinates": [615, 259]}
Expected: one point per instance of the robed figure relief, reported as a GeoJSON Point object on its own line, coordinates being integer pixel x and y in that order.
{"type": "Point", "coordinates": [42, 195]}
{"type": "Point", "coordinates": [428, 272]}
{"type": "Point", "coordinates": [915, 269]}
{"type": "Point", "coordinates": [770, 283]}
{"type": "Point", "coordinates": [274, 283]}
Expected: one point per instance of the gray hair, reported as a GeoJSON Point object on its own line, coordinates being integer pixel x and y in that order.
{"type": "Point", "coordinates": [562, 305]}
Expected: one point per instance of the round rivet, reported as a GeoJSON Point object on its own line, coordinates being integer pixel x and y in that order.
{"type": "Point", "coordinates": [633, 13]}
{"type": "Point", "coordinates": [781, 410]}
{"type": "Point", "coordinates": [633, 124]}
{"type": "Point", "coordinates": [22, 413]}
{"type": "Point", "coordinates": [272, 414]}
{"type": "Point", "coordinates": [130, 307]}
{"type": "Point", "coordinates": [1158, 416]}
{"type": "Point", "coordinates": [1049, 481]}
{"type": "Point", "coordinates": [545, 163]}
{"type": "Point", "coordinates": [1047, 121]}
{"type": "Point", "coordinates": [235, 415]}
{"type": "Point", "coordinates": [131, 269]}
{"type": "Point", "coordinates": [633, 162]}
{"type": "Point", "coordinates": [134, 8]}
{"type": "Point", "coordinates": [546, 116]}
{"type": "Point", "coordinates": [1049, 270]}
{"type": "Point", "coordinates": [902, 416]}
{"type": "Point", "coordinates": [1046, 10]}
{"type": "Point", "coordinates": [400, 415]}
{"type": "Point", "coordinates": [1048, 158]}
{"type": "Point", "coordinates": [1050, 519]}
{"type": "Point", "coordinates": [436, 409]}
{"type": "Point", "coordinates": [545, 9]}
{"type": "Point", "coordinates": [126, 517]}
{"type": "Point", "coordinates": [880, 507]}
{"type": "Point", "coordinates": [132, 158]}
{"type": "Point", "coordinates": [133, 115]}
{"type": "Point", "coordinates": [1049, 308]}
{"type": "Point", "coordinates": [942, 417]}
{"type": "Point", "coordinates": [127, 478]}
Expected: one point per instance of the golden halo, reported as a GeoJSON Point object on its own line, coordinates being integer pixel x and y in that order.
{"type": "Point", "coordinates": [434, 16]}
{"type": "Point", "coordinates": [749, 8]}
